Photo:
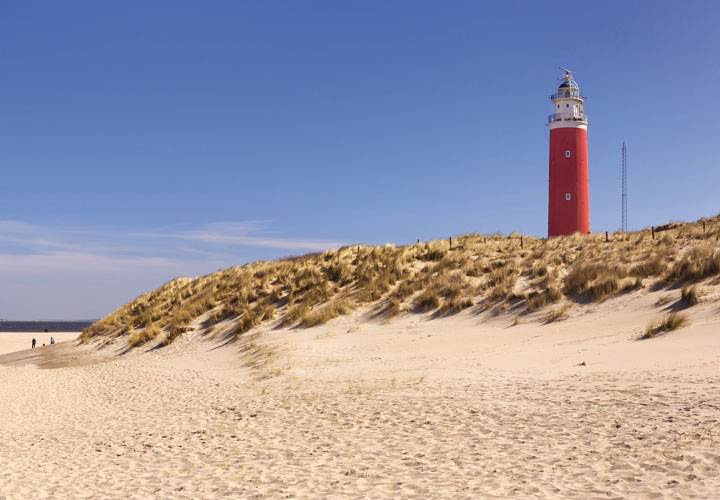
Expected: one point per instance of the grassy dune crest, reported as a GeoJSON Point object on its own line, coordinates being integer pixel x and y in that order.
{"type": "Point", "coordinates": [494, 273]}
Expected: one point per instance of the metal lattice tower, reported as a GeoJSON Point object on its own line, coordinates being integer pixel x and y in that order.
{"type": "Point", "coordinates": [624, 189]}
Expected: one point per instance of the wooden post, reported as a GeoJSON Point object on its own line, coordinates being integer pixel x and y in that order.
{"type": "Point", "coordinates": [703, 226]}
{"type": "Point", "coordinates": [521, 242]}
{"type": "Point", "coordinates": [653, 232]}
{"type": "Point", "coordinates": [606, 237]}
{"type": "Point", "coordinates": [450, 240]}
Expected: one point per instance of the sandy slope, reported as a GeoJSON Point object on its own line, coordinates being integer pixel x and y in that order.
{"type": "Point", "coordinates": [462, 407]}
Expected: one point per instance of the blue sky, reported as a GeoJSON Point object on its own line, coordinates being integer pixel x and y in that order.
{"type": "Point", "coordinates": [145, 140]}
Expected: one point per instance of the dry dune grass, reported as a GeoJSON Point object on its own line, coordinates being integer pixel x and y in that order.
{"type": "Point", "coordinates": [690, 295]}
{"type": "Point", "coordinates": [672, 321]}
{"type": "Point", "coordinates": [698, 262]}
{"type": "Point", "coordinates": [483, 272]}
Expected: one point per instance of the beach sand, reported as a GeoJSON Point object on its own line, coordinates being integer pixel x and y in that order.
{"type": "Point", "coordinates": [18, 341]}
{"type": "Point", "coordinates": [462, 407]}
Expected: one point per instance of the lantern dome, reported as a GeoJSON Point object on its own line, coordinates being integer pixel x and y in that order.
{"type": "Point", "coordinates": [568, 87]}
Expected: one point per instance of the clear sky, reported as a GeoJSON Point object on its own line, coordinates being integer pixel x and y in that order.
{"type": "Point", "coordinates": [144, 140]}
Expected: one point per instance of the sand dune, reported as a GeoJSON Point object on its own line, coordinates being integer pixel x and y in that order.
{"type": "Point", "coordinates": [462, 407]}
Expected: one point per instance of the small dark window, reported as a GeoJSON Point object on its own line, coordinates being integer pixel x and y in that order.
{"type": "Point", "coordinates": [567, 105]}
{"type": "Point", "coordinates": [567, 154]}
{"type": "Point", "coordinates": [567, 196]}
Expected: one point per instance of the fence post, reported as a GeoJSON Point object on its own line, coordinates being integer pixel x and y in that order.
{"type": "Point", "coordinates": [450, 240]}
{"type": "Point", "coordinates": [703, 226]}
{"type": "Point", "coordinates": [653, 232]}
{"type": "Point", "coordinates": [521, 242]}
{"type": "Point", "coordinates": [606, 237]}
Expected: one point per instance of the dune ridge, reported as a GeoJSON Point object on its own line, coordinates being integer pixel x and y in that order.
{"type": "Point", "coordinates": [515, 275]}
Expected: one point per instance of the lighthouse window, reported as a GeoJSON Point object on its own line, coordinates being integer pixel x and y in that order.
{"type": "Point", "coordinates": [567, 196]}
{"type": "Point", "coordinates": [567, 154]}
{"type": "Point", "coordinates": [567, 105]}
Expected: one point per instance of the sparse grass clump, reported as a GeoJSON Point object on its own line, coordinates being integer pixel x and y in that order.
{"type": "Point", "coordinates": [436, 250]}
{"type": "Point", "coordinates": [701, 261]}
{"type": "Point", "coordinates": [295, 313]}
{"type": "Point", "coordinates": [654, 266]}
{"type": "Point", "coordinates": [143, 336]}
{"type": "Point", "coordinates": [580, 276]}
{"type": "Point", "coordinates": [539, 268]}
{"type": "Point", "coordinates": [504, 276]}
{"type": "Point", "coordinates": [427, 300]}
{"type": "Point", "coordinates": [672, 321]}
{"type": "Point", "coordinates": [538, 300]}
{"type": "Point", "coordinates": [554, 294]}
{"type": "Point", "coordinates": [664, 299]}
{"type": "Point", "coordinates": [392, 307]}
{"type": "Point", "coordinates": [635, 284]}
{"type": "Point", "coordinates": [176, 328]}
{"type": "Point", "coordinates": [453, 306]}
{"type": "Point", "coordinates": [600, 290]}
{"type": "Point", "coordinates": [408, 287]}
{"type": "Point", "coordinates": [557, 314]}
{"type": "Point", "coordinates": [339, 272]}
{"type": "Point", "coordinates": [330, 311]}
{"type": "Point", "coordinates": [249, 320]}
{"type": "Point", "coordinates": [597, 280]}
{"type": "Point", "coordinates": [690, 295]}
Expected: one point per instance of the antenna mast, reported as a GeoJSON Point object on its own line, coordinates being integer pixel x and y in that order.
{"type": "Point", "coordinates": [624, 189]}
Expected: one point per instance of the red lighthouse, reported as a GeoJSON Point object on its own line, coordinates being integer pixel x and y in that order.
{"type": "Point", "coordinates": [568, 210]}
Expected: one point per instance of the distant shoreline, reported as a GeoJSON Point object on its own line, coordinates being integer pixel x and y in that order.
{"type": "Point", "coordinates": [40, 326]}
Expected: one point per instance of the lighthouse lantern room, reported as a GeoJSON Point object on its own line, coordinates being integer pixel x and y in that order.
{"type": "Point", "coordinates": [568, 206]}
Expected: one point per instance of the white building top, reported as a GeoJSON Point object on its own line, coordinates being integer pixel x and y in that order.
{"type": "Point", "coordinates": [567, 104]}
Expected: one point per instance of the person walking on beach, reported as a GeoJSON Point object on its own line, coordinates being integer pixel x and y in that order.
{"type": "Point", "coordinates": [33, 343]}
{"type": "Point", "coordinates": [52, 341]}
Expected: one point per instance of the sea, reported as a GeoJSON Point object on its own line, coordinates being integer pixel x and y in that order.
{"type": "Point", "coordinates": [40, 326]}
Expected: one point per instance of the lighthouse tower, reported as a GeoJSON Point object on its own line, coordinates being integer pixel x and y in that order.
{"type": "Point", "coordinates": [568, 210]}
